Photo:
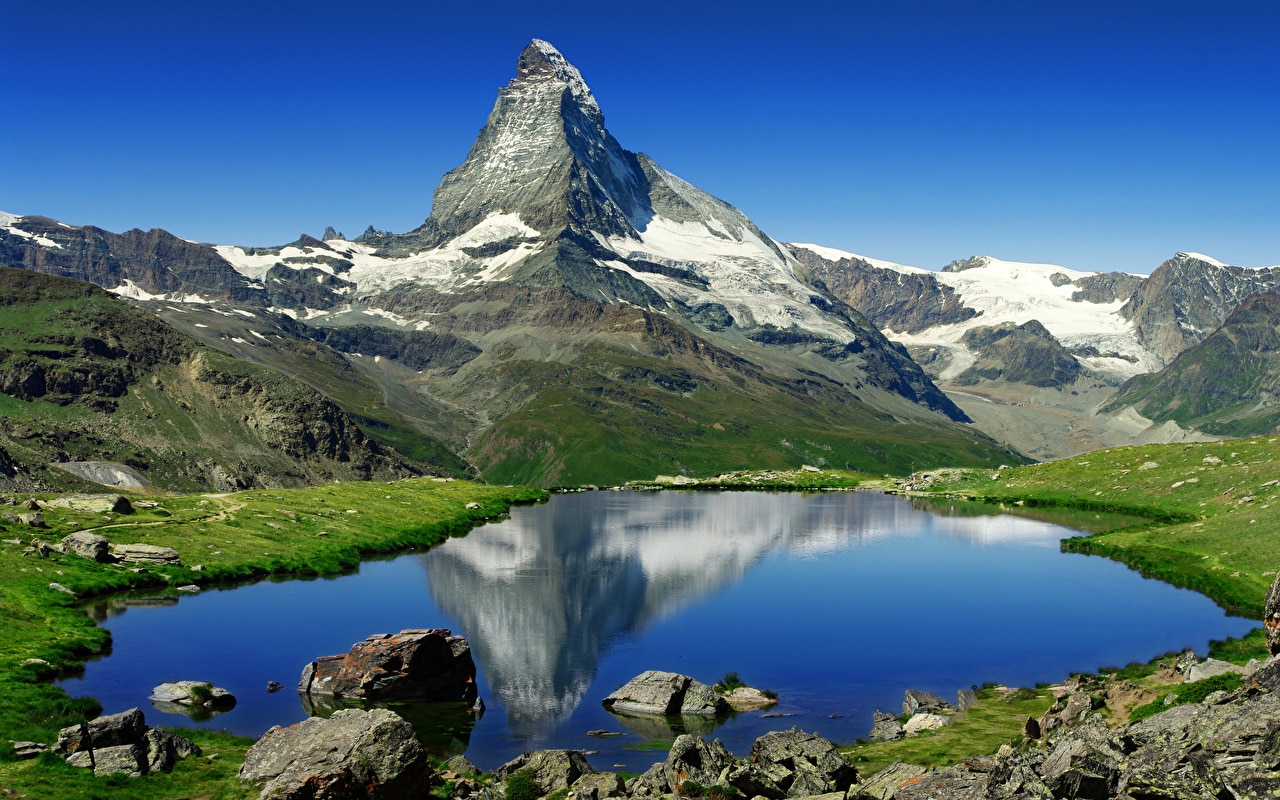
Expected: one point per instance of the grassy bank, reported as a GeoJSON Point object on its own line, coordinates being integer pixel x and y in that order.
{"type": "Point", "coordinates": [320, 530]}
{"type": "Point", "coordinates": [1213, 510]}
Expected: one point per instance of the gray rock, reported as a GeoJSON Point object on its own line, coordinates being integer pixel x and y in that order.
{"type": "Point", "coordinates": [96, 503]}
{"type": "Point", "coordinates": [803, 764]}
{"type": "Point", "coordinates": [184, 693]}
{"type": "Point", "coordinates": [1086, 763]}
{"type": "Point", "coordinates": [692, 759]}
{"type": "Point", "coordinates": [966, 699]}
{"type": "Point", "coordinates": [884, 784]}
{"type": "Point", "coordinates": [1031, 728]}
{"type": "Point", "coordinates": [552, 770]}
{"type": "Point", "coordinates": [952, 783]}
{"type": "Point", "coordinates": [88, 545]}
{"type": "Point", "coordinates": [33, 518]}
{"type": "Point", "coordinates": [1209, 668]}
{"type": "Point", "coordinates": [1271, 616]}
{"type": "Point", "coordinates": [25, 750]}
{"type": "Point", "coordinates": [925, 722]}
{"type": "Point", "coordinates": [885, 727]}
{"type": "Point", "coordinates": [915, 701]}
{"type": "Point", "coordinates": [164, 748]}
{"type": "Point", "coordinates": [599, 786]}
{"type": "Point", "coordinates": [353, 754]}
{"type": "Point", "coordinates": [145, 554]}
{"type": "Point", "coordinates": [1078, 705]}
{"type": "Point", "coordinates": [112, 730]}
{"type": "Point", "coordinates": [461, 765]}
{"type": "Point", "coordinates": [128, 759]}
{"type": "Point", "coordinates": [657, 692]}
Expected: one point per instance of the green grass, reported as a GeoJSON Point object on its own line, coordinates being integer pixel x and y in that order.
{"type": "Point", "coordinates": [1212, 510]}
{"type": "Point", "coordinates": [254, 534]}
{"type": "Point", "coordinates": [1184, 693]}
{"type": "Point", "coordinates": [981, 729]}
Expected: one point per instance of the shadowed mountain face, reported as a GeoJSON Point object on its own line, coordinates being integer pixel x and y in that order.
{"type": "Point", "coordinates": [1228, 384]}
{"type": "Point", "coordinates": [570, 312]}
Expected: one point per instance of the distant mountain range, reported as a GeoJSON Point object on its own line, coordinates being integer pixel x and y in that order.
{"type": "Point", "coordinates": [571, 313]}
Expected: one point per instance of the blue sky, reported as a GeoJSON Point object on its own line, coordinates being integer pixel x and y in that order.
{"type": "Point", "coordinates": [1095, 135]}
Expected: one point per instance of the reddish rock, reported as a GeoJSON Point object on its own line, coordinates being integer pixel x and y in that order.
{"type": "Point", "coordinates": [1271, 617]}
{"type": "Point", "coordinates": [415, 664]}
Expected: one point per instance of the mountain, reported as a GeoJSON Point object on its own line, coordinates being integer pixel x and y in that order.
{"type": "Point", "coordinates": [1047, 389]}
{"type": "Point", "coordinates": [1228, 384]}
{"type": "Point", "coordinates": [569, 312]}
{"type": "Point", "coordinates": [94, 390]}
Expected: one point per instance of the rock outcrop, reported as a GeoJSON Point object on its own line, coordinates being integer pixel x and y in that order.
{"type": "Point", "coordinates": [122, 743]}
{"type": "Point", "coordinates": [656, 692]}
{"type": "Point", "coordinates": [145, 554]}
{"type": "Point", "coordinates": [353, 754]}
{"type": "Point", "coordinates": [552, 770]}
{"type": "Point", "coordinates": [415, 664]}
{"type": "Point", "coordinates": [1271, 617]}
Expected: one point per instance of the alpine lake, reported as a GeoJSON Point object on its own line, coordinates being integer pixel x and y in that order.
{"type": "Point", "coordinates": [837, 601]}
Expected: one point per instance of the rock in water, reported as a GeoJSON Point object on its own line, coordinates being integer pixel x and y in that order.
{"type": "Point", "coordinates": [1271, 617]}
{"type": "Point", "coordinates": [657, 692]}
{"type": "Point", "coordinates": [353, 754]}
{"type": "Point", "coordinates": [414, 664]}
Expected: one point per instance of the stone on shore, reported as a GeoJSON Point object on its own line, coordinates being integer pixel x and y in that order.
{"type": "Point", "coordinates": [1209, 668]}
{"type": "Point", "coordinates": [665, 693]}
{"type": "Point", "coordinates": [353, 754]}
{"type": "Point", "coordinates": [96, 503]}
{"type": "Point", "coordinates": [803, 764]}
{"type": "Point", "coordinates": [110, 730]}
{"type": "Point", "coordinates": [915, 701]}
{"type": "Point", "coordinates": [145, 554]}
{"type": "Point", "coordinates": [87, 545]}
{"type": "Point", "coordinates": [552, 770]}
{"type": "Point", "coordinates": [1271, 617]}
{"type": "Point", "coordinates": [415, 664]}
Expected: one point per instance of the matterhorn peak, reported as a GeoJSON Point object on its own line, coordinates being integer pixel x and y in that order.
{"type": "Point", "coordinates": [540, 62]}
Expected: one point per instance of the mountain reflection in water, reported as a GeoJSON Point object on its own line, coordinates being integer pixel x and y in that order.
{"type": "Point", "coordinates": [542, 595]}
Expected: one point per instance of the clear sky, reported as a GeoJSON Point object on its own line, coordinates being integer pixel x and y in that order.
{"type": "Point", "coordinates": [1096, 135]}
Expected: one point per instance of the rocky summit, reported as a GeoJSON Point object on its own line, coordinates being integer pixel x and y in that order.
{"type": "Point", "coordinates": [570, 312]}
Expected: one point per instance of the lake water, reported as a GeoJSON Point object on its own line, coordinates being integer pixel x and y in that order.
{"type": "Point", "coordinates": [837, 601]}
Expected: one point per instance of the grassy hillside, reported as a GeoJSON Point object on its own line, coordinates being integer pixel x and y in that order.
{"type": "Point", "coordinates": [294, 532]}
{"type": "Point", "coordinates": [85, 377]}
{"type": "Point", "coordinates": [1214, 510]}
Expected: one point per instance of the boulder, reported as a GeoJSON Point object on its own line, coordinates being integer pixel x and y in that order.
{"type": "Point", "coordinates": [96, 503]}
{"type": "Point", "coordinates": [966, 699]}
{"type": "Point", "coordinates": [748, 698]}
{"type": "Point", "coordinates": [415, 664]}
{"type": "Point", "coordinates": [461, 765]}
{"type": "Point", "coordinates": [87, 545]}
{"type": "Point", "coordinates": [1084, 763]}
{"type": "Point", "coordinates": [953, 783]}
{"type": "Point", "coordinates": [111, 730]}
{"type": "Point", "coordinates": [1078, 704]}
{"type": "Point", "coordinates": [885, 727]}
{"type": "Point", "coordinates": [164, 747]}
{"type": "Point", "coordinates": [656, 692]}
{"type": "Point", "coordinates": [690, 759]}
{"type": "Point", "coordinates": [599, 786]}
{"type": "Point", "coordinates": [33, 518]}
{"type": "Point", "coordinates": [353, 754]}
{"type": "Point", "coordinates": [145, 554]}
{"type": "Point", "coordinates": [803, 764]}
{"type": "Point", "coordinates": [128, 759]}
{"type": "Point", "coordinates": [925, 722]}
{"type": "Point", "coordinates": [914, 701]}
{"type": "Point", "coordinates": [552, 770]}
{"type": "Point", "coordinates": [1209, 668]}
{"type": "Point", "coordinates": [886, 782]}
{"type": "Point", "coordinates": [183, 697]}
{"type": "Point", "coordinates": [1271, 617]}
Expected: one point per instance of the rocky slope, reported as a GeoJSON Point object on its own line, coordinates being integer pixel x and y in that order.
{"type": "Point", "coordinates": [95, 390]}
{"type": "Point", "coordinates": [1113, 326]}
{"type": "Point", "coordinates": [569, 312]}
{"type": "Point", "coordinates": [1228, 384]}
